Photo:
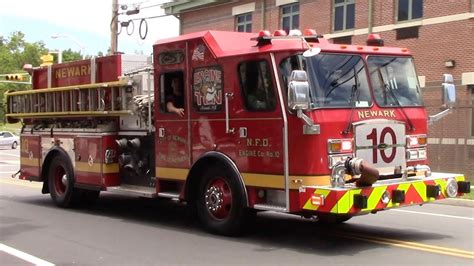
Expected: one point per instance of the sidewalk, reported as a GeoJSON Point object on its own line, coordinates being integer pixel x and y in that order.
{"type": "Point", "coordinates": [456, 202]}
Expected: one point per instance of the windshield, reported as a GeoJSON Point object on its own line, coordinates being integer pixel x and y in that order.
{"type": "Point", "coordinates": [338, 81]}
{"type": "Point", "coordinates": [394, 81]}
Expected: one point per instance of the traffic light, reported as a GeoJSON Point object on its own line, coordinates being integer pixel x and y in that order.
{"type": "Point", "coordinates": [14, 77]}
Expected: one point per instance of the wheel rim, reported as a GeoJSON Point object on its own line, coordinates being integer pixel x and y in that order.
{"type": "Point", "coordinates": [60, 180]}
{"type": "Point", "coordinates": [218, 198]}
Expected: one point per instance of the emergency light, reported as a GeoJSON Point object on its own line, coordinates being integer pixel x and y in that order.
{"type": "Point", "coordinates": [374, 40]}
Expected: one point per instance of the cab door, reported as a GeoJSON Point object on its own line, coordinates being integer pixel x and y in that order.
{"type": "Point", "coordinates": [172, 128]}
{"type": "Point", "coordinates": [257, 122]}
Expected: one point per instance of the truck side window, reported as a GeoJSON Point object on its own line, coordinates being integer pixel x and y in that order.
{"type": "Point", "coordinates": [172, 93]}
{"type": "Point", "coordinates": [257, 86]}
{"type": "Point", "coordinates": [287, 65]}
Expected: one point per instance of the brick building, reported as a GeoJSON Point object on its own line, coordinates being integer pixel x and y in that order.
{"type": "Point", "coordinates": [440, 34]}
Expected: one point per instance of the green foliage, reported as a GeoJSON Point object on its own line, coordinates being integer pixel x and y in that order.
{"type": "Point", "coordinates": [469, 196]}
{"type": "Point", "coordinates": [14, 53]}
{"type": "Point", "coordinates": [70, 55]}
{"type": "Point", "coordinates": [15, 128]}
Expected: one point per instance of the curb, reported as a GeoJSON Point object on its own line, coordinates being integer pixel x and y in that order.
{"type": "Point", "coordinates": [456, 202]}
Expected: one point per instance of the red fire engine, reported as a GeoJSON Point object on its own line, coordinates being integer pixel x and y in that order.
{"type": "Point", "coordinates": [234, 123]}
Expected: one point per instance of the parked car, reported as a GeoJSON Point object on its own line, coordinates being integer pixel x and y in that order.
{"type": "Point", "coordinates": [8, 139]}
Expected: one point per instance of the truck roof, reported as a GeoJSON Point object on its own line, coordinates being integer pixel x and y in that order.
{"type": "Point", "coordinates": [229, 43]}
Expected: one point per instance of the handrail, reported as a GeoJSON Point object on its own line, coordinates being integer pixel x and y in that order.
{"type": "Point", "coordinates": [119, 83]}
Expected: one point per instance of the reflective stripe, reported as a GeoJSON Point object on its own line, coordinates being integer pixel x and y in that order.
{"type": "Point", "coordinates": [375, 197]}
{"type": "Point", "coordinates": [172, 173]}
{"type": "Point", "coordinates": [97, 168]}
{"type": "Point", "coordinates": [344, 204]}
{"type": "Point", "coordinates": [421, 189]}
{"type": "Point", "coordinates": [309, 206]}
{"type": "Point", "coordinates": [29, 161]}
{"type": "Point", "coordinates": [342, 201]}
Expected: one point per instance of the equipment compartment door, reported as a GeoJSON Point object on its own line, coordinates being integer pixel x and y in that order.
{"type": "Point", "coordinates": [30, 152]}
{"type": "Point", "coordinates": [88, 170]}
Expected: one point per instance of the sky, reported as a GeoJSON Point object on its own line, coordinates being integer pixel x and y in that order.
{"type": "Point", "coordinates": [84, 23]}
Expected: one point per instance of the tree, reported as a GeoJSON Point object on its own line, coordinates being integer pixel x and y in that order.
{"type": "Point", "coordinates": [70, 55]}
{"type": "Point", "coordinates": [14, 53]}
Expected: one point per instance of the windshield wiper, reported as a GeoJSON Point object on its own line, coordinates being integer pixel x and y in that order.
{"type": "Point", "coordinates": [388, 88]}
{"type": "Point", "coordinates": [354, 91]}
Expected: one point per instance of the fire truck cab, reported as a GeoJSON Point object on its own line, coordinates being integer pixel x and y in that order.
{"type": "Point", "coordinates": [234, 123]}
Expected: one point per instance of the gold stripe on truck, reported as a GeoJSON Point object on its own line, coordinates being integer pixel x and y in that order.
{"type": "Point", "coordinates": [29, 161]}
{"type": "Point", "coordinates": [97, 168]}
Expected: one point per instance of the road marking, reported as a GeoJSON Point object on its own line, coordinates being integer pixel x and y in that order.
{"type": "Point", "coordinates": [434, 214]}
{"type": "Point", "coordinates": [410, 245]}
{"type": "Point", "coordinates": [8, 154]}
{"type": "Point", "coordinates": [24, 256]}
{"type": "Point", "coordinates": [23, 183]}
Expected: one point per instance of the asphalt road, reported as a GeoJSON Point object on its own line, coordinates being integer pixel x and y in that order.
{"type": "Point", "coordinates": [132, 231]}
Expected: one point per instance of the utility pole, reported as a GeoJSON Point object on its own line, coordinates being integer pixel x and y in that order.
{"type": "Point", "coordinates": [114, 28]}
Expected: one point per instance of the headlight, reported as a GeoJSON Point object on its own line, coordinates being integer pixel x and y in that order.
{"type": "Point", "coordinates": [416, 154]}
{"type": "Point", "coordinates": [414, 141]}
{"type": "Point", "coordinates": [340, 146]}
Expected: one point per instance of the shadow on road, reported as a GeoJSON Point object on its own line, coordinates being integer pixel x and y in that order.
{"type": "Point", "coordinates": [270, 231]}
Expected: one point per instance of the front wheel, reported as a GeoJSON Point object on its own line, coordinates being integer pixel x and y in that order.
{"type": "Point", "coordinates": [221, 203]}
{"type": "Point", "coordinates": [61, 182]}
{"type": "Point", "coordinates": [14, 145]}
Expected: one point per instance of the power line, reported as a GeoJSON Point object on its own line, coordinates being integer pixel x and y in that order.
{"type": "Point", "coordinates": [145, 7]}
{"type": "Point", "coordinates": [151, 17]}
{"type": "Point", "coordinates": [137, 7]}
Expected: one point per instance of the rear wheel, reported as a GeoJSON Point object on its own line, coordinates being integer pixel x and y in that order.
{"type": "Point", "coordinates": [221, 203]}
{"type": "Point", "coordinates": [14, 145]}
{"type": "Point", "coordinates": [61, 182]}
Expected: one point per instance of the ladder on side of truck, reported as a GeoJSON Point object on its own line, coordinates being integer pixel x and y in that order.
{"type": "Point", "coordinates": [98, 99]}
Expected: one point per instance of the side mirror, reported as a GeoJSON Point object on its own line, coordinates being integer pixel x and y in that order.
{"type": "Point", "coordinates": [449, 98]}
{"type": "Point", "coordinates": [449, 90]}
{"type": "Point", "coordinates": [298, 91]}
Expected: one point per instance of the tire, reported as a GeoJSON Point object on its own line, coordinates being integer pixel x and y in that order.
{"type": "Point", "coordinates": [61, 182]}
{"type": "Point", "coordinates": [14, 145]}
{"type": "Point", "coordinates": [327, 218]}
{"type": "Point", "coordinates": [221, 203]}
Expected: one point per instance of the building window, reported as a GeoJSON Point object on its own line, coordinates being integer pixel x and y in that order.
{"type": "Point", "coordinates": [244, 22]}
{"type": "Point", "coordinates": [290, 17]}
{"type": "Point", "coordinates": [344, 15]}
{"type": "Point", "coordinates": [342, 40]}
{"type": "Point", "coordinates": [410, 9]}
